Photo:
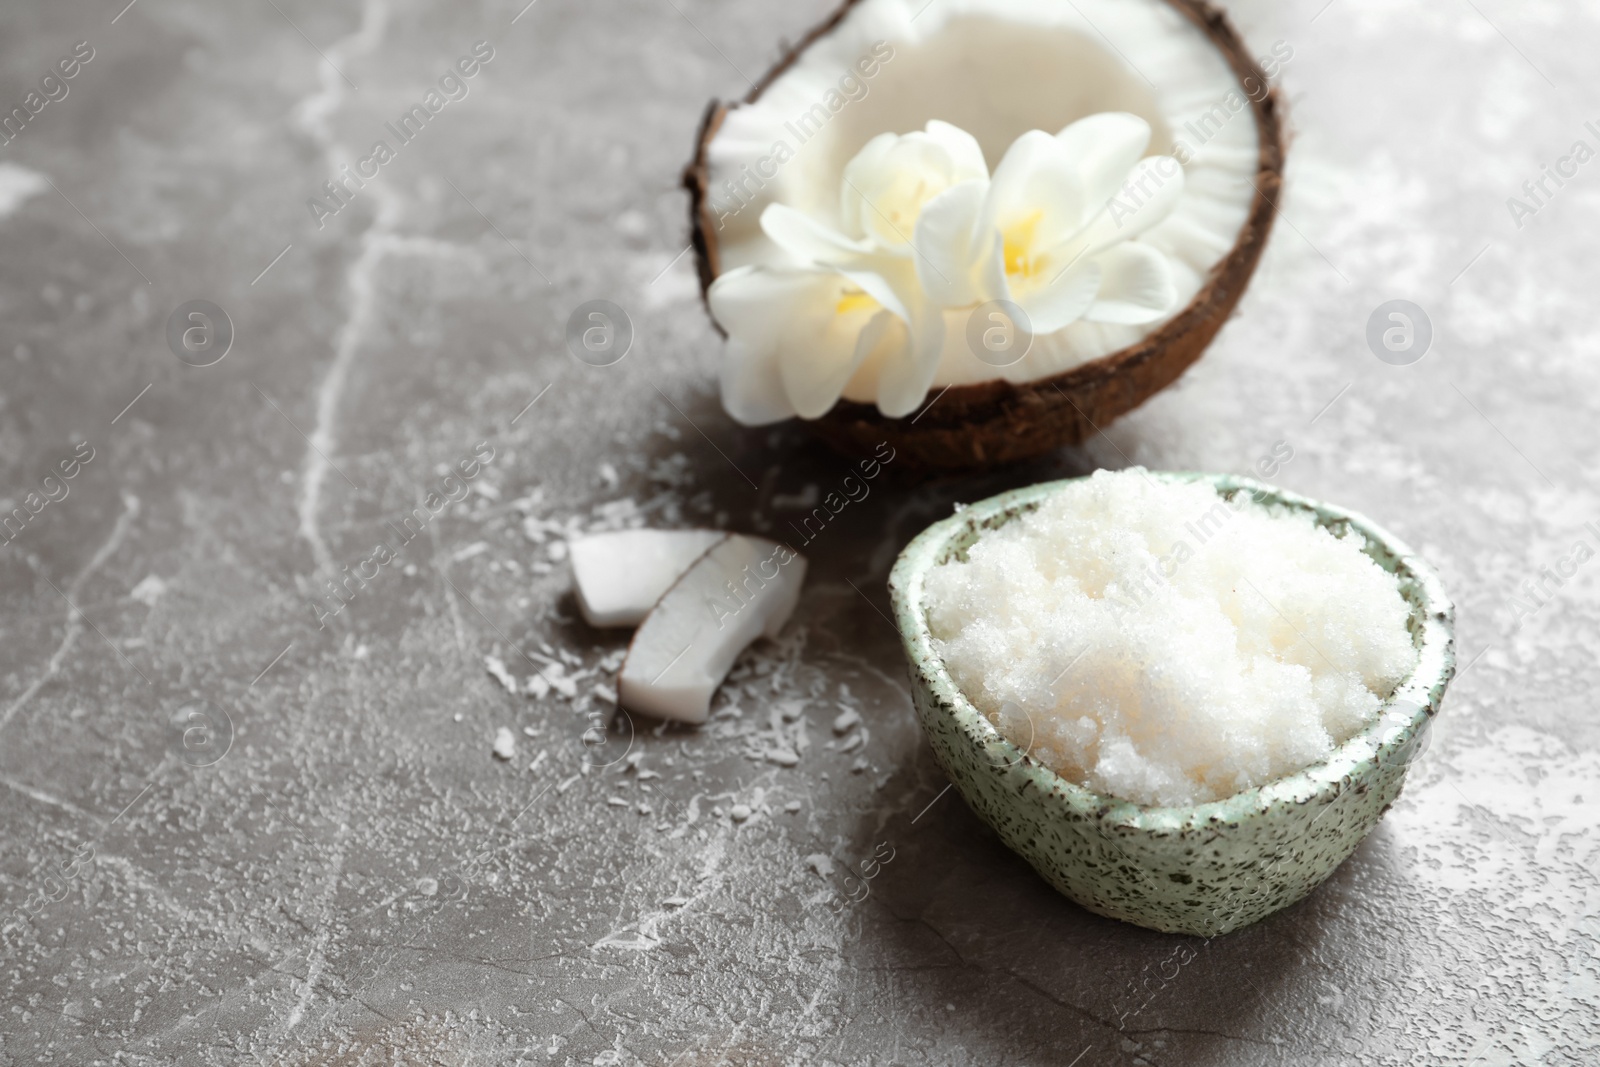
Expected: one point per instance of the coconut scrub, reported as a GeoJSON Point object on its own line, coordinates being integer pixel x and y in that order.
{"type": "Point", "coordinates": [1162, 643]}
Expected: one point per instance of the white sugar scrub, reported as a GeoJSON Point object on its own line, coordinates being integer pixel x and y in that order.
{"type": "Point", "coordinates": [1168, 645]}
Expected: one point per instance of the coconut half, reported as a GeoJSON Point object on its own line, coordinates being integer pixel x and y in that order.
{"type": "Point", "coordinates": [997, 69]}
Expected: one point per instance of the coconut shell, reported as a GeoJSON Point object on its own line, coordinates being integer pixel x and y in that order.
{"type": "Point", "coordinates": [983, 424]}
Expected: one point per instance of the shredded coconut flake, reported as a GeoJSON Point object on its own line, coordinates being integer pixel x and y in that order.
{"type": "Point", "coordinates": [497, 670]}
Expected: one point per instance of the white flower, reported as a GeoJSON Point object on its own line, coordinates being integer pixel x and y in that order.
{"type": "Point", "coordinates": [887, 184]}
{"type": "Point", "coordinates": [923, 229]}
{"type": "Point", "coordinates": [860, 280]}
{"type": "Point", "coordinates": [796, 335]}
{"type": "Point", "coordinates": [1052, 232]}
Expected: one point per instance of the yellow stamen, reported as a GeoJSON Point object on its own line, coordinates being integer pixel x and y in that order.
{"type": "Point", "coordinates": [1017, 245]}
{"type": "Point", "coordinates": [850, 303]}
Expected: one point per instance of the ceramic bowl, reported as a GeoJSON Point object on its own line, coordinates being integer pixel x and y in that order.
{"type": "Point", "coordinates": [1205, 869]}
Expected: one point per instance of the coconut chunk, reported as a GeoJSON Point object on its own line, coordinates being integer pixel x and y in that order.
{"type": "Point", "coordinates": [618, 576]}
{"type": "Point", "coordinates": [741, 589]}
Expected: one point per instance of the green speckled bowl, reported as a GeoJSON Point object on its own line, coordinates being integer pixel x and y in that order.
{"type": "Point", "coordinates": [1206, 869]}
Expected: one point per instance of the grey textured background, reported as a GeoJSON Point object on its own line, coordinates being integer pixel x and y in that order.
{"type": "Point", "coordinates": [358, 880]}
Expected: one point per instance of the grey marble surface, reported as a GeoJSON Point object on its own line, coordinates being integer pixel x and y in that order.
{"type": "Point", "coordinates": [337, 870]}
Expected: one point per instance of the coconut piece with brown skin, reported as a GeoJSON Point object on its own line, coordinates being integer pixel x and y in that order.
{"type": "Point", "coordinates": [741, 589]}
{"type": "Point", "coordinates": [986, 419]}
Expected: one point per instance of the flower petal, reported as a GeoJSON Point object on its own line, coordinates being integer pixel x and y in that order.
{"type": "Point", "coordinates": [1036, 185]}
{"type": "Point", "coordinates": [754, 306]}
{"type": "Point", "coordinates": [808, 240]}
{"type": "Point", "coordinates": [886, 286]}
{"type": "Point", "coordinates": [966, 155]}
{"type": "Point", "coordinates": [991, 271]}
{"type": "Point", "coordinates": [817, 359]}
{"type": "Point", "coordinates": [1062, 300]}
{"type": "Point", "coordinates": [1152, 191]}
{"type": "Point", "coordinates": [752, 389]}
{"type": "Point", "coordinates": [905, 381]}
{"type": "Point", "coordinates": [751, 303]}
{"type": "Point", "coordinates": [862, 164]}
{"type": "Point", "coordinates": [1105, 147]}
{"type": "Point", "coordinates": [890, 180]}
{"type": "Point", "coordinates": [1136, 286]}
{"type": "Point", "coordinates": [949, 244]}
{"type": "Point", "coordinates": [803, 236]}
{"type": "Point", "coordinates": [888, 197]}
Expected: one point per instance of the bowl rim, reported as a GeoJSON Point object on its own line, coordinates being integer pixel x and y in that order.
{"type": "Point", "coordinates": [1390, 736]}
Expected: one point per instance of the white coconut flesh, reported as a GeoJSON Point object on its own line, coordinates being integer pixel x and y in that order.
{"type": "Point", "coordinates": [619, 575]}
{"type": "Point", "coordinates": [996, 69]}
{"type": "Point", "coordinates": [742, 589]}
